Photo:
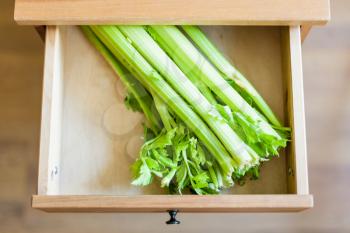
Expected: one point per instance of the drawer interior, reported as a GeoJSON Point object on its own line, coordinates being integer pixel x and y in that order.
{"type": "Point", "coordinates": [89, 139]}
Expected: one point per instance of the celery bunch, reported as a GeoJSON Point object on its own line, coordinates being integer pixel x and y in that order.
{"type": "Point", "coordinates": [209, 127]}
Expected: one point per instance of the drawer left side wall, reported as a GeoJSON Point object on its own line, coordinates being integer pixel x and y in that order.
{"type": "Point", "coordinates": [51, 118]}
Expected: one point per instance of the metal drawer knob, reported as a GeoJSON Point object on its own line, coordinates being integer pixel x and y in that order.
{"type": "Point", "coordinates": [172, 219]}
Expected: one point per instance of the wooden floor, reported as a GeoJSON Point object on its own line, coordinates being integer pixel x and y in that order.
{"type": "Point", "coordinates": [326, 54]}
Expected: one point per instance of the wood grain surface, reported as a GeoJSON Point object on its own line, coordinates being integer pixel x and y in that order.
{"type": "Point", "coordinates": [163, 203]}
{"type": "Point", "coordinates": [252, 12]}
{"type": "Point", "coordinates": [327, 102]}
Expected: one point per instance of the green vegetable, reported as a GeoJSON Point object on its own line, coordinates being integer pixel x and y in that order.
{"type": "Point", "coordinates": [154, 159]}
{"type": "Point", "coordinates": [131, 103]}
{"type": "Point", "coordinates": [229, 71]}
{"type": "Point", "coordinates": [143, 42]}
{"type": "Point", "coordinates": [122, 48]}
{"type": "Point", "coordinates": [191, 62]}
{"type": "Point", "coordinates": [203, 132]}
{"type": "Point", "coordinates": [172, 156]}
{"type": "Point", "coordinates": [138, 97]}
{"type": "Point", "coordinates": [164, 113]}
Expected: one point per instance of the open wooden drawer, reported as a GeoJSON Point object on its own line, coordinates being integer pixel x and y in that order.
{"type": "Point", "coordinates": [89, 139]}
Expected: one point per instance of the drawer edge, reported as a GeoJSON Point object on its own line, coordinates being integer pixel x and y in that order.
{"type": "Point", "coordinates": [163, 203]}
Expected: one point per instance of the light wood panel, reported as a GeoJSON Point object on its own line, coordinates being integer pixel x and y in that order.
{"type": "Point", "coordinates": [185, 203]}
{"type": "Point", "coordinates": [224, 12]}
{"type": "Point", "coordinates": [292, 69]}
{"type": "Point", "coordinates": [298, 112]}
{"type": "Point", "coordinates": [50, 148]}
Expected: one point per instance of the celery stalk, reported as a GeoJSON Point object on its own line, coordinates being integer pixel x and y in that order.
{"type": "Point", "coordinates": [151, 51]}
{"type": "Point", "coordinates": [122, 48]}
{"type": "Point", "coordinates": [228, 70]}
{"type": "Point", "coordinates": [132, 85]}
{"type": "Point", "coordinates": [191, 61]}
{"type": "Point", "coordinates": [164, 114]}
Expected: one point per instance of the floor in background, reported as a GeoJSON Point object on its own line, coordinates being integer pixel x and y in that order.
{"type": "Point", "coordinates": [326, 60]}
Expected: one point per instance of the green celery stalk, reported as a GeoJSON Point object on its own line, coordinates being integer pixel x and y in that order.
{"type": "Point", "coordinates": [122, 48]}
{"type": "Point", "coordinates": [133, 86]}
{"type": "Point", "coordinates": [192, 74]}
{"type": "Point", "coordinates": [164, 114]}
{"type": "Point", "coordinates": [228, 70]}
{"type": "Point", "coordinates": [188, 58]}
{"type": "Point", "coordinates": [151, 51]}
